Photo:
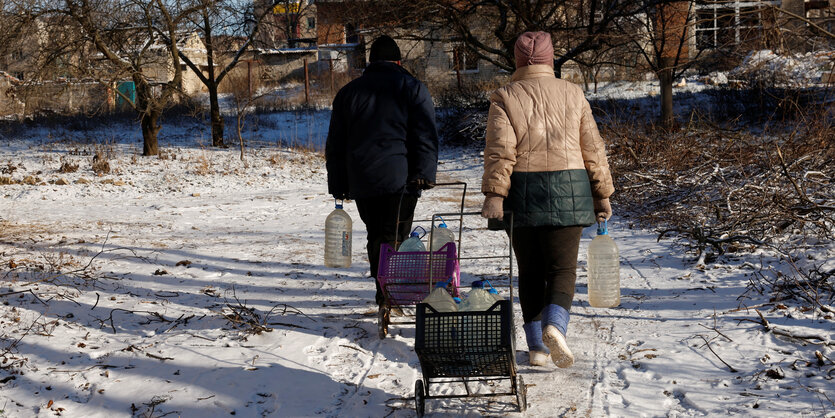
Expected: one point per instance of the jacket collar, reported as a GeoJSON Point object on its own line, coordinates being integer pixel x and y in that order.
{"type": "Point", "coordinates": [533, 71]}
{"type": "Point", "coordinates": [384, 66]}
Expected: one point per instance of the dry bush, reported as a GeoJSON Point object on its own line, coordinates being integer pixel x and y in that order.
{"type": "Point", "coordinates": [68, 167]}
{"type": "Point", "coordinates": [9, 168]}
{"type": "Point", "coordinates": [167, 155]}
{"type": "Point", "coordinates": [203, 165]}
{"type": "Point", "coordinates": [722, 189]}
{"type": "Point", "coordinates": [101, 157]}
{"type": "Point", "coordinates": [275, 159]}
{"type": "Point", "coordinates": [100, 165]}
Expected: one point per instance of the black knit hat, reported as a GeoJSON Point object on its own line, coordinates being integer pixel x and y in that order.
{"type": "Point", "coordinates": [384, 49]}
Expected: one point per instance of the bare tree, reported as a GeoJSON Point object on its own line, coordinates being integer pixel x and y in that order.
{"type": "Point", "coordinates": [490, 28]}
{"type": "Point", "coordinates": [138, 40]}
{"type": "Point", "coordinates": [228, 30]}
{"type": "Point", "coordinates": [660, 34]}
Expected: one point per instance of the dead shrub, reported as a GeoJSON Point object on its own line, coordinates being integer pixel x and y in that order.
{"type": "Point", "coordinates": [9, 168]}
{"type": "Point", "coordinates": [167, 155]}
{"type": "Point", "coordinates": [4, 181]}
{"type": "Point", "coordinates": [68, 167]}
{"type": "Point", "coordinates": [100, 164]}
{"type": "Point", "coordinates": [203, 165]}
{"type": "Point", "coordinates": [32, 180]}
{"type": "Point", "coordinates": [275, 159]}
{"type": "Point", "coordinates": [724, 189]}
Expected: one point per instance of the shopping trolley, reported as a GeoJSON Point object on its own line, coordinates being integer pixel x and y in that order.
{"type": "Point", "coordinates": [469, 346]}
{"type": "Point", "coordinates": [406, 278]}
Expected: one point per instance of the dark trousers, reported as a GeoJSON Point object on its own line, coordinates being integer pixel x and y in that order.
{"type": "Point", "coordinates": [547, 259]}
{"type": "Point", "coordinates": [380, 217]}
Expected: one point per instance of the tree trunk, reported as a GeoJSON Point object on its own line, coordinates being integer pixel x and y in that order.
{"type": "Point", "coordinates": [217, 120]}
{"type": "Point", "coordinates": [665, 79]}
{"type": "Point", "coordinates": [213, 82]}
{"type": "Point", "coordinates": [149, 114]}
{"type": "Point", "coordinates": [240, 126]}
{"type": "Point", "coordinates": [150, 129]}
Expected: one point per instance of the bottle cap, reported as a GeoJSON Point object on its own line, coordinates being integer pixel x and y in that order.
{"type": "Point", "coordinates": [414, 234]}
{"type": "Point", "coordinates": [456, 299]}
{"type": "Point", "coordinates": [339, 205]}
{"type": "Point", "coordinates": [478, 284]}
{"type": "Point", "coordinates": [442, 285]}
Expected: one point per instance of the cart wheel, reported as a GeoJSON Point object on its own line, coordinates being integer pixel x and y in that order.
{"type": "Point", "coordinates": [521, 394]}
{"type": "Point", "coordinates": [420, 398]}
{"type": "Point", "coordinates": [382, 322]}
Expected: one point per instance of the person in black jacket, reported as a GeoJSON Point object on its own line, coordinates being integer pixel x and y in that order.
{"type": "Point", "coordinates": [382, 147]}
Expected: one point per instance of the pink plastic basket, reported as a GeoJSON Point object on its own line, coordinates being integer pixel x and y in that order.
{"type": "Point", "coordinates": [404, 276]}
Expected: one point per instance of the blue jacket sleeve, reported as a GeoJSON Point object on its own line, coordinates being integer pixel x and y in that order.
{"type": "Point", "coordinates": [422, 136]}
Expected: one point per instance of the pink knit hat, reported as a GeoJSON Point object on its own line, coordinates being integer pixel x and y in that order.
{"type": "Point", "coordinates": [534, 48]}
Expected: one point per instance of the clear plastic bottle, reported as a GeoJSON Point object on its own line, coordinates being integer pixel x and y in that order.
{"type": "Point", "coordinates": [495, 294]}
{"type": "Point", "coordinates": [338, 226]}
{"type": "Point", "coordinates": [475, 325]}
{"type": "Point", "coordinates": [479, 299]}
{"type": "Point", "coordinates": [440, 299]}
{"type": "Point", "coordinates": [412, 244]}
{"type": "Point", "coordinates": [604, 270]}
{"type": "Point", "coordinates": [440, 236]}
{"type": "Point", "coordinates": [441, 330]}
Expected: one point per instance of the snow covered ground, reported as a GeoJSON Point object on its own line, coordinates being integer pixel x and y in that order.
{"type": "Point", "coordinates": [158, 255]}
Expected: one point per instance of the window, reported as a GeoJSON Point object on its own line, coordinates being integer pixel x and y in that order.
{"type": "Point", "coordinates": [463, 59]}
{"type": "Point", "coordinates": [311, 22]}
{"type": "Point", "coordinates": [351, 34]}
{"type": "Point", "coordinates": [727, 23]}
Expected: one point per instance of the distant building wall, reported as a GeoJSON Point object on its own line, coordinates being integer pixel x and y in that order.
{"type": "Point", "coordinates": [64, 98]}
{"type": "Point", "coordinates": [278, 65]}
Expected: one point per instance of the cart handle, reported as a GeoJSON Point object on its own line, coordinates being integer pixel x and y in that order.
{"type": "Point", "coordinates": [400, 203]}
{"type": "Point", "coordinates": [508, 216]}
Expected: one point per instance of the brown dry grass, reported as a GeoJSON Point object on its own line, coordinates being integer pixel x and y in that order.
{"type": "Point", "coordinates": [12, 231]}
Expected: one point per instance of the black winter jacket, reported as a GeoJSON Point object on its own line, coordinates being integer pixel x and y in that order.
{"type": "Point", "coordinates": [382, 134]}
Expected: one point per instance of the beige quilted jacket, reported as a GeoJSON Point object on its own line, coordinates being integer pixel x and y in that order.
{"type": "Point", "coordinates": [539, 123]}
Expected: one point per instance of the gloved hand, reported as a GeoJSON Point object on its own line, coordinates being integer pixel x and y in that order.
{"type": "Point", "coordinates": [421, 184]}
{"type": "Point", "coordinates": [602, 209]}
{"type": "Point", "coordinates": [493, 207]}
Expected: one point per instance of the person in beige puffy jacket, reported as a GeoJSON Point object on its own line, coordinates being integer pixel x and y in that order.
{"type": "Point", "coordinates": [544, 160]}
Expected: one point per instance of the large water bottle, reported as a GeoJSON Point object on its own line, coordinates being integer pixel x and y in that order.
{"type": "Point", "coordinates": [440, 236]}
{"type": "Point", "coordinates": [413, 243]}
{"type": "Point", "coordinates": [475, 326]}
{"type": "Point", "coordinates": [441, 330]}
{"type": "Point", "coordinates": [604, 270]}
{"type": "Point", "coordinates": [478, 299]}
{"type": "Point", "coordinates": [440, 299]}
{"type": "Point", "coordinates": [338, 226]}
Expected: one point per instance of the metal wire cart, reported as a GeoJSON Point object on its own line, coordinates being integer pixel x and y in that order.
{"type": "Point", "coordinates": [468, 346]}
{"type": "Point", "coordinates": [406, 278]}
